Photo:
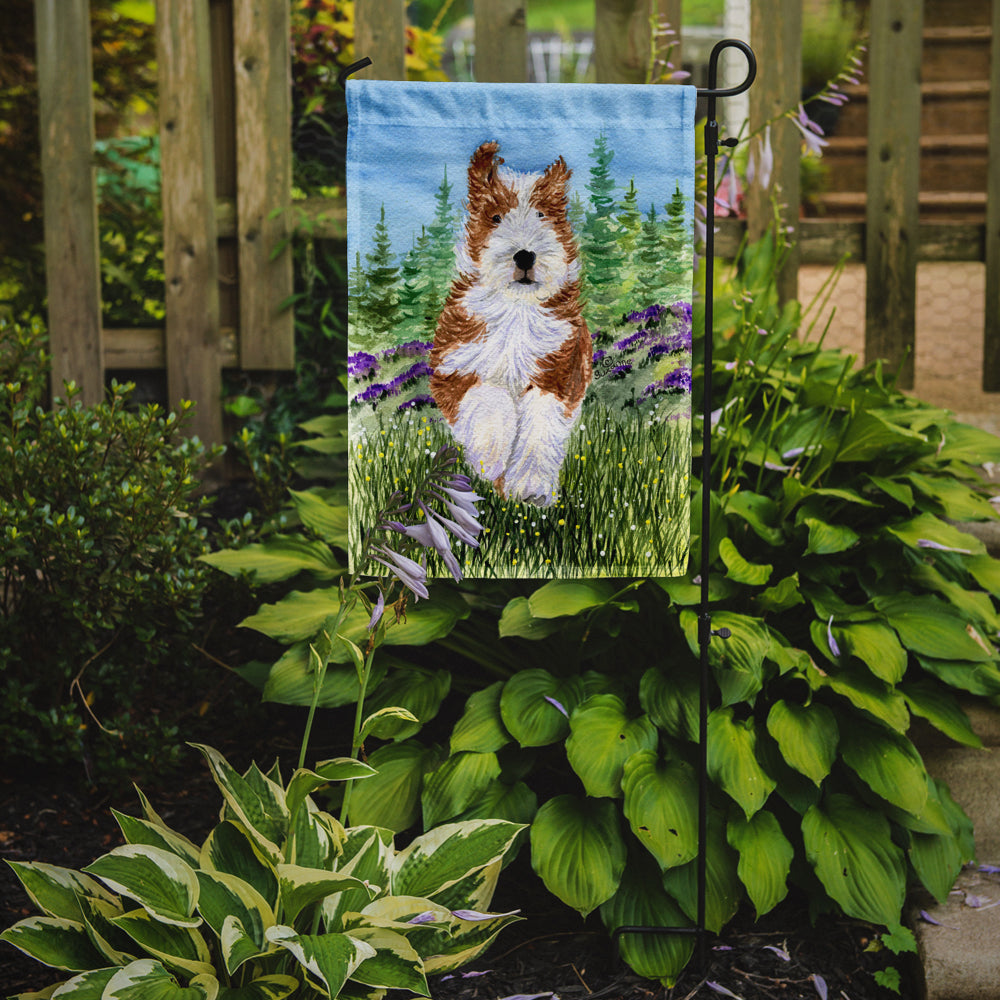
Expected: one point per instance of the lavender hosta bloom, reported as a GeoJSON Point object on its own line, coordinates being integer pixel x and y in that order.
{"type": "Point", "coordinates": [831, 642]}
{"type": "Point", "coordinates": [557, 704]}
{"type": "Point", "coordinates": [927, 543]}
{"type": "Point", "coordinates": [760, 165]}
{"type": "Point", "coordinates": [431, 534]}
{"type": "Point", "coordinates": [411, 574]}
{"type": "Point", "coordinates": [377, 612]}
{"type": "Point", "coordinates": [811, 132]}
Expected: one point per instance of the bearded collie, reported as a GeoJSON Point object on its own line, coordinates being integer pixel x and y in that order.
{"type": "Point", "coordinates": [512, 355]}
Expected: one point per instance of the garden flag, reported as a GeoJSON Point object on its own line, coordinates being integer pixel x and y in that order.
{"type": "Point", "coordinates": [520, 266]}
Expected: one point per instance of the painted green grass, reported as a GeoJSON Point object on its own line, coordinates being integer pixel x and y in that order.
{"type": "Point", "coordinates": [622, 508]}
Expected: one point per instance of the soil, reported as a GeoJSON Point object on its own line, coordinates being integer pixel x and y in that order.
{"type": "Point", "coordinates": [550, 952]}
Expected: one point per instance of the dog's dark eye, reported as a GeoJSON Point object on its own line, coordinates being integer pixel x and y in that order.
{"type": "Point", "coordinates": [496, 218]}
{"type": "Point", "coordinates": [541, 215]}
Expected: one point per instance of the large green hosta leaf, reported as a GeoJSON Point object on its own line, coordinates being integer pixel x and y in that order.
{"type": "Point", "coordinates": [723, 889]}
{"type": "Point", "coordinates": [569, 597]}
{"type": "Point", "coordinates": [941, 709]}
{"type": "Point", "coordinates": [642, 902]}
{"type": "Point", "coordinates": [278, 558]}
{"type": "Point", "coordinates": [517, 620]}
{"type": "Point", "coordinates": [738, 661]}
{"type": "Point", "coordinates": [876, 646]}
{"type": "Point", "coordinates": [739, 569]}
{"type": "Point", "coordinates": [602, 738]}
{"type": "Point", "coordinates": [926, 528]}
{"type": "Point", "coordinates": [481, 727]}
{"type": "Point", "coordinates": [578, 851]}
{"type": "Point", "coordinates": [807, 736]}
{"type": "Point", "coordinates": [416, 689]}
{"type": "Point", "coordinates": [732, 760]}
{"type": "Point", "coordinates": [535, 706]}
{"type": "Point", "coordinates": [888, 763]}
{"type": "Point", "coordinates": [391, 798]}
{"type": "Point", "coordinates": [661, 805]}
{"type": "Point", "coordinates": [765, 858]}
{"type": "Point", "coordinates": [932, 628]}
{"type": "Point", "coordinates": [671, 699]}
{"type": "Point", "coordinates": [456, 784]}
{"type": "Point", "coordinates": [850, 848]}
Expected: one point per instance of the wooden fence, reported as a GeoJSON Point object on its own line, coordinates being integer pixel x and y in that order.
{"type": "Point", "coordinates": [226, 160]}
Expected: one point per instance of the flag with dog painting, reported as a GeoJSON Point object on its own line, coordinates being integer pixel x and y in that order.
{"type": "Point", "coordinates": [520, 264]}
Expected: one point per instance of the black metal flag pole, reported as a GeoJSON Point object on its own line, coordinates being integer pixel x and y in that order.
{"type": "Point", "coordinates": [705, 631]}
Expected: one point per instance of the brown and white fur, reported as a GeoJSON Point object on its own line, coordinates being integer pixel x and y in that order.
{"type": "Point", "coordinates": [512, 356]}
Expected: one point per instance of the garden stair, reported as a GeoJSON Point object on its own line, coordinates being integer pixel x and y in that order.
{"type": "Point", "coordinates": [955, 89]}
{"type": "Point", "coordinates": [959, 955]}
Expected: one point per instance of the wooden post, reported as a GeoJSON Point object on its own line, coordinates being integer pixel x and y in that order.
{"type": "Point", "coordinates": [190, 254]}
{"type": "Point", "coordinates": [380, 34]}
{"type": "Point", "coordinates": [622, 40]}
{"type": "Point", "coordinates": [893, 183]}
{"type": "Point", "coordinates": [668, 12]}
{"type": "Point", "coordinates": [776, 35]}
{"type": "Point", "coordinates": [991, 333]}
{"type": "Point", "coordinates": [501, 41]}
{"type": "Point", "coordinates": [262, 60]}
{"type": "Point", "coordinates": [72, 256]}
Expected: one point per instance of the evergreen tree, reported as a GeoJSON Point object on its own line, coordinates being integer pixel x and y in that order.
{"type": "Point", "coordinates": [357, 281]}
{"type": "Point", "coordinates": [677, 244]}
{"type": "Point", "coordinates": [576, 213]}
{"type": "Point", "coordinates": [378, 307]}
{"type": "Point", "coordinates": [418, 298]}
{"type": "Point", "coordinates": [651, 263]}
{"type": "Point", "coordinates": [629, 220]}
{"type": "Point", "coordinates": [602, 256]}
{"type": "Point", "coordinates": [442, 234]}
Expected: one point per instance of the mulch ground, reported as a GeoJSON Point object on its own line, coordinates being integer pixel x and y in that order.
{"type": "Point", "coordinates": [551, 952]}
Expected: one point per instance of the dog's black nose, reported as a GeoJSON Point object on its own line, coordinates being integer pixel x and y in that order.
{"type": "Point", "coordinates": [524, 259]}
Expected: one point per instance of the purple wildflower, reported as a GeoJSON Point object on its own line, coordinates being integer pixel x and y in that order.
{"type": "Point", "coordinates": [626, 342]}
{"type": "Point", "coordinates": [416, 403]}
{"type": "Point", "coordinates": [811, 132]}
{"type": "Point", "coordinates": [649, 314]}
{"type": "Point", "coordinates": [362, 365]}
{"type": "Point", "coordinates": [557, 704]}
{"type": "Point", "coordinates": [620, 371]}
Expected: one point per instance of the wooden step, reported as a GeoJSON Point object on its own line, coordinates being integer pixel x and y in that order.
{"type": "Point", "coordinates": [956, 53]}
{"type": "Point", "coordinates": [945, 104]}
{"type": "Point", "coordinates": [940, 13]}
{"type": "Point", "coordinates": [958, 206]}
{"type": "Point", "coordinates": [947, 163]}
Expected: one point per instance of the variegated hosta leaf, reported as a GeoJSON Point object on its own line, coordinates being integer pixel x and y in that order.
{"type": "Point", "coordinates": [238, 945]}
{"type": "Point", "coordinates": [54, 941]}
{"type": "Point", "coordinates": [476, 890]}
{"type": "Point", "coordinates": [56, 891]}
{"type": "Point", "coordinates": [304, 782]}
{"type": "Point", "coordinates": [367, 853]}
{"type": "Point", "coordinates": [807, 736]}
{"type": "Point", "coordinates": [177, 947]}
{"type": "Point", "coordinates": [225, 897]}
{"type": "Point", "coordinates": [578, 851]}
{"type": "Point", "coordinates": [850, 847]}
{"type": "Point", "coordinates": [274, 987]}
{"type": "Point", "coordinates": [230, 849]}
{"type": "Point", "coordinates": [602, 737]}
{"type": "Point", "coordinates": [315, 839]}
{"type": "Point", "coordinates": [256, 801]}
{"type": "Point", "coordinates": [141, 831]}
{"type": "Point", "coordinates": [395, 964]}
{"type": "Point", "coordinates": [467, 940]}
{"type": "Point", "coordinates": [441, 857]}
{"type": "Point", "coordinates": [723, 889]}
{"type": "Point", "coordinates": [147, 979]}
{"type": "Point", "coordinates": [661, 799]}
{"type": "Point", "coordinates": [158, 880]}
{"type": "Point", "coordinates": [456, 784]}
{"type": "Point", "coordinates": [481, 727]}
{"type": "Point", "coordinates": [301, 887]}
{"type": "Point", "coordinates": [329, 959]}
{"type": "Point", "coordinates": [732, 760]}
{"type": "Point", "coordinates": [116, 946]}
{"type": "Point", "coordinates": [765, 858]}
{"type": "Point", "coordinates": [642, 902]}
{"type": "Point", "coordinates": [515, 803]}
{"type": "Point", "coordinates": [86, 986]}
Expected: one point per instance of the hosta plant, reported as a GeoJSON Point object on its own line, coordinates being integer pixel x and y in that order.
{"type": "Point", "coordinates": [855, 605]}
{"type": "Point", "coordinates": [279, 900]}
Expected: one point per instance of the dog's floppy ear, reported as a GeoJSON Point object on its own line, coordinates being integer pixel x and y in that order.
{"type": "Point", "coordinates": [482, 168]}
{"type": "Point", "coordinates": [557, 173]}
{"type": "Point", "coordinates": [550, 188]}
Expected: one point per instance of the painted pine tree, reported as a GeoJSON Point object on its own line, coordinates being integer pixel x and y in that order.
{"type": "Point", "coordinates": [603, 258]}
{"type": "Point", "coordinates": [378, 303]}
{"type": "Point", "coordinates": [442, 234]}
{"type": "Point", "coordinates": [418, 299]}
{"type": "Point", "coordinates": [650, 263]}
{"type": "Point", "coordinates": [677, 247]}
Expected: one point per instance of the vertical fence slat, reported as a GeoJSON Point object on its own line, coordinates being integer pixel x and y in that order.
{"type": "Point", "coordinates": [261, 57]}
{"type": "Point", "coordinates": [893, 183]}
{"type": "Point", "coordinates": [776, 35]}
{"type": "Point", "coordinates": [501, 41]}
{"type": "Point", "coordinates": [72, 257]}
{"type": "Point", "coordinates": [190, 253]}
{"type": "Point", "coordinates": [621, 40]}
{"type": "Point", "coordinates": [991, 332]}
{"type": "Point", "coordinates": [380, 34]}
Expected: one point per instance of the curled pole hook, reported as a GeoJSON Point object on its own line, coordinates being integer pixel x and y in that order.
{"type": "Point", "coordinates": [712, 90]}
{"type": "Point", "coordinates": [353, 68]}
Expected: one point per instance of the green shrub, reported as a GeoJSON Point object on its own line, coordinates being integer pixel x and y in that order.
{"type": "Point", "coordinates": [99, 541]}
{"type": "Point", "coordinates": [280, 899]}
